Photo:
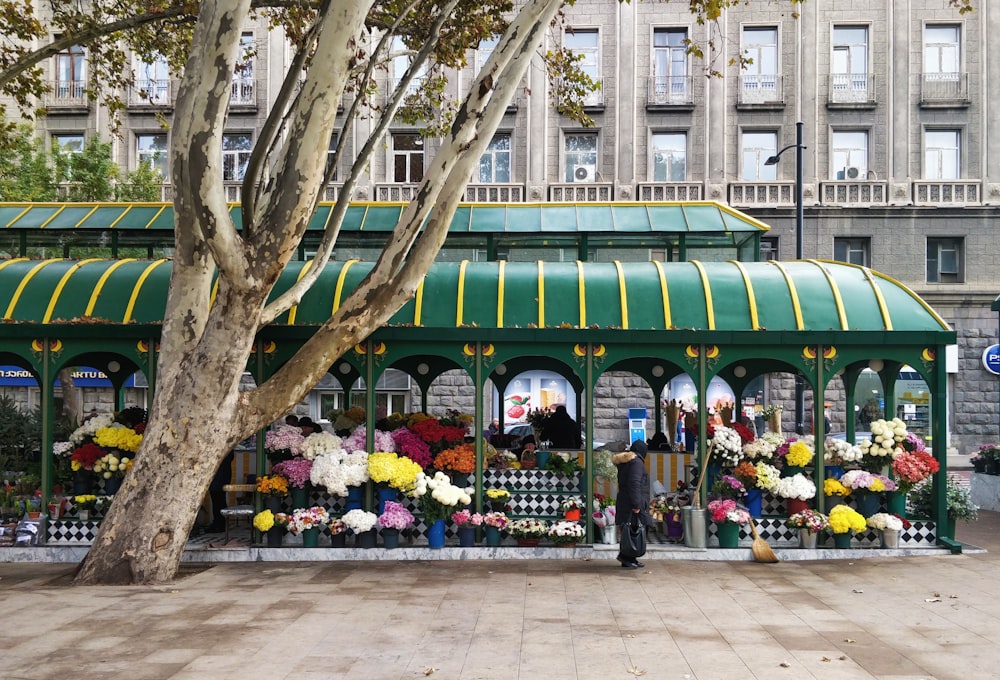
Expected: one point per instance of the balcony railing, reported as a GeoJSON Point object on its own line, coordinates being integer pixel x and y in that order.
{"type": "Point", "coordinates": [581, 192]}
{"type": "Point", "coordinates": [243, 93]}
{"type": "Point", "coordinates": [854, 193]}
{"type": "Point", "coordinates": [761, 89]}
{"type": "Point", "coordinates": [395, 193]}
{"type": "Point", "coordinates": [66, 94]}
{"type": "Point", "coordinates": [944, 192]}
{"type": "Point", "coordinates": [669, 191]}
{"type": "Point", "coordinates": [944, 88]}
{"type": "Point", "coordinates": [852, 88]}
{"type": "Point", "coordinates": [670, 91]}
{"type": "Point", "coordinates": [762, 193]}
{"type": "Point", "coordinates": [150, 93]}
{"type": "Point", "coordinates": [494, 193]}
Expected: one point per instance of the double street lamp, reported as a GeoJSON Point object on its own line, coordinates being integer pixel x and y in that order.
{"type": "Point", "coordinates": [800, 400]}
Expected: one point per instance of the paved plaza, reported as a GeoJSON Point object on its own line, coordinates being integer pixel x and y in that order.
{"type": "Point", "coordinates": [899, 618]}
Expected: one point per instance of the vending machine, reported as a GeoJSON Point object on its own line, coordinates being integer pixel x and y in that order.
{"type": "Point", "coordinates": [636, 424]}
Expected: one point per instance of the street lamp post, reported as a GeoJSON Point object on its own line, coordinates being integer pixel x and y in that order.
{"type": "Point", "coordinates": [800, 398]}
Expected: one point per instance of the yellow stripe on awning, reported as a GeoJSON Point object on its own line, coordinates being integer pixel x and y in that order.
{"type": "Point", "coordinates": [62, 284]}
{"type": "Point", "coordinates": [460, 302]}
{"type": "Point", "coordinates": [837, 299]}
{"type": "Point", "coordinates": [663, 291]}
{"type": "Point", "coordinates": [293, 310]}
{"type": "Point", "coordinates": [581, 286]}
{"type": "Point", "coordinates": [138, 288]}
{"type": "Point", "coordinates": [24, 282]}
{"type": "Point", "coordinates": [96, 293]}
{"type": "Point", "coordinates": [879, 298]}
{"type": "Point", "coordinates": [622, 294]}
{"type": "Point", "coordinates": [500, 283]}
{"type": "Point", "coordinates": [793, 294]}
{"type": "Point", "coordinates": [541, 294]}
{"type": "Point", "coordinates": [339, 291]}
{"type": "Point", "coordinates": [709, 305]}
{"type": "Point", "coordinates": [751, 298]}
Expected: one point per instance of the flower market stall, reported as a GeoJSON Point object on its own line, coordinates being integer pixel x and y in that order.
{"type": "Point", "coordinates": [493, 320]}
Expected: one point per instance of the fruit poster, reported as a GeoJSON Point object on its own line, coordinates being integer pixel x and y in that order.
{"type": "Point", "coordinates": [536, 389]}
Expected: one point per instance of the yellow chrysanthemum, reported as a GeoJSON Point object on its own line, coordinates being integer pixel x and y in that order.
{"type": "Point", "coordinates": [263, 520]}
{"type": "Point", "coordinates": [833, 487]}
{"type": "Point", "coordinates": [844, 518]}
{"type": "Point", "coordinates": [122, 438]}
{"type": "Point", "coordinates": [799, 454]}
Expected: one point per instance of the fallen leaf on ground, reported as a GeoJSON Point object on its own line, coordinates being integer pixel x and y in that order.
{"type": "Point", "coordinates": [849, 640]}
{"type": "Point", "coordinates": [953, 597]}
{"type": "Point", "coordinates": [842, 657]}
{"type": "Point", "coordinates": [932, 599]}
{"type": "Point", "coordinates": [429, 670]}
{"type": "Point", "coordinates": [635, 671]}
{"type": "Point", "coordinates": [826, 659]}
{"type": "Point", "coordinates": [857, 590]}
{"type": "Point", "coordinates": [785, 664]}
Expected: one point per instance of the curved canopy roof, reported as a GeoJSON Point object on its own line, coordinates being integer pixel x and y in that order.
{"type": "Point", "coordinates": [516, 218]}
{"type": "Point", "coordinates": [806, 295]}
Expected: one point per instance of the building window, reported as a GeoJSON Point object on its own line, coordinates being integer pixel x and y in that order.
{"type": "Point", "coordinates": [68, 143]}
{"type": "Point", "coordinates": [152, 150]}
{"type": "Point", "coordinates": [236, 150]}
{"type": "Point", "coordinates": [849, 67]}
{"type": "Point", "coordinates": [850, 155]}
{"type": "Point", "coordinates": [760, 76]}
{"type": "Point", "coordinates": [152, 80]}
{"type": "Point", "coordinates": [71, 73]}
{"type": "Point", "coordinates": [670, 82]}
{"type": "Point", "coordinates": [243, 81]}
{"type": "Point", "coordinates": [407, 158]}
{"type": "Point", "coordinates": [331, 159]}
{"type": "Point", "coordinates": [400, 62]}
{"type": "Point", "coordinates": [585, 44]}
{"type": "Point", "coordinates": [485, 50]}
{"type": "Point", "coordinates": [757, 147]}
{"type": "Point", "coordinates": [768, 248]}
{"type": "Point", "coordinates": [944, 260]}
{"type": "Point", "coordinates": [941, 52]}
{"type": "Point", "coordinates": [852, 250]}
{"type": "Point", "coordinates": [580, 157]}
{"type": "Point", "coordinates": [942, 157]}
{"type": "Point", "coordinates": [494, 164]}
{"type": "Point", "coordinates": [669, 162]}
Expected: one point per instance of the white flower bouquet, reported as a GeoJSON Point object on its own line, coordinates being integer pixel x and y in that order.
{"type": "Point", "coordinates": [883, 520]}
{"type": "Point", "coordinates": [565, 531]}
{"type": "Point", "coordinates": [841, 452]}
{"type": "Point", "coordinates": [727, 446]}
{"type": "Point", "coordinates": [797, 486]}
{"type": "Point", "coordinates": [308, 518]}
{"type": "Point", "coordinates": [759, 449]}
{"type": "Point", "coordinates": [336, 470]}
{"type": "Point", "coordinates": [359, 521]}
{"type": "Point", "coordinates": [320, 442]}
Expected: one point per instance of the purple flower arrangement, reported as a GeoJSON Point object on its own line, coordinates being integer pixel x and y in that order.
{"type": "Point", "coordinates": [395, 516]}
{"type": "Point", "coordinates": [358, 441]}
{"type": "Point", "coordinates": [465, 518]}
{"type": "Point", "coordinates": [295, 470]}
{"type": "Point", "coordinates": [409, 444]}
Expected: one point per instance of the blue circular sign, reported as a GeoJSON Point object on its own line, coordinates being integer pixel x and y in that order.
{"type": "Point", "coordinates": [991, 359]}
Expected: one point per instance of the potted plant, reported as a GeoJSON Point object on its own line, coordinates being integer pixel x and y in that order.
{"type": "Point", "coordinates": [844, 520]}
{"type": "Point", "coordinates": [494, 522]}
{"type": "Point", "coordinates": [888, 527]}
{"type": "Point", "coordinates": [571, 507]}
{"type": "Point", "coordinates": [528, 531]}
{"type": "Point", "coordinates": [565, 533]}
{"type": "Point", "coordinates": [797, 490]}
{"type": "Point", "coordinates": [728, 518]}
{"type": "Point", "coordinates": [85, 504]}
{"type": "Point", "coordinates": [835, 491]}
{"type": "Point", "coordinates": [394, 518]}
{"type": "Point", "coordinates": [362, 525]}
{"type": "Point", "coordinates": [272, 488]}
{"type": "Point", "coordinates": [809, 522]}
{"type": "Point", "coordinates": [308, 522]}
{"type": "Point", "coordinates": [466, 521]}
{"type": "Point", "coordinates": [498, 499]}
{"type": "Point", "coordinates": [338, 532]}
{"type": "Point", "coordinates": [438, 498]}
{"type": "Point", "coordinates": [867, 488]}
{"type": "Point", "coordinates": [264, 522]}
{"type": "Point", "coordinates": [957, 497]}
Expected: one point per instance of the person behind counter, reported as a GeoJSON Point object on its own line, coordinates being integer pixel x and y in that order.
{"type": "Point", "coordinates": [561, 431]}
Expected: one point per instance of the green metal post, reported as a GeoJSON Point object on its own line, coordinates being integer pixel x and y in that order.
{"type": "Point", "coordinates": [588, 451]}
{"type": "Point", "coordinates": [370, 415]}
{"type": "Point", "coordinates": [478, 426]}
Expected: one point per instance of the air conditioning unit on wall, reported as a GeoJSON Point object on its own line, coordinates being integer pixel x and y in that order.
{"type": "Point", "coordinates": [849, 173]}
{"type": "Point", "coordinates": [585, 173]}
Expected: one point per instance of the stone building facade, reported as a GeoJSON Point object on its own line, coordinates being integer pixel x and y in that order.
{"type": "Point", "coordinates": [901, 165]}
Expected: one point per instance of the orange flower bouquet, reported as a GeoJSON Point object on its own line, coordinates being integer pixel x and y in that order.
{"type": "Point", "coordinates": [461, 458]}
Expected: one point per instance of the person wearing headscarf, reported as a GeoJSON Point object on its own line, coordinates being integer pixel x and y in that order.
{"type": "Point", "coordinates": [633, 492]}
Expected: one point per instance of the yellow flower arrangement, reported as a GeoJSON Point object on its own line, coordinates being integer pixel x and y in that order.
{"type": "Point", "coordinates": [498, 495]}
{"type": "Point", "coordinates": [272, 485]}
{"type": "Point", "coordinates": [877, 485]}
{"type": "Point", "coordinates": [397, 471]}
{"type": "Point", "coordinates": [799, 454]}
{"type": "Point", "coordinates": [844, 518]}
{"type": "Point", "coordinates": [833, 487]}
{"type": "Point", "coordinates": [87, 501]}
{"type": "Point", "coordinates": [263, 520]}
{"type": "Point", "coordinates": [122, 438]}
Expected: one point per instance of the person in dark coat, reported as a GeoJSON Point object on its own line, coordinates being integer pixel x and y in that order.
{"type": "Point", "coordinates": [561, 431]}
{"type": "Point", "coordinates": [633, 492]}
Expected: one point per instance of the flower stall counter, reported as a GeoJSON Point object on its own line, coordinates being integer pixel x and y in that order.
{"type": "Point", "coordinates": [535, 493]}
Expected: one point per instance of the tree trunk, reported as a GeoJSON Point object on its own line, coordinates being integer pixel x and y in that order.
{"type": "Point", "coordinates": [72, 403]}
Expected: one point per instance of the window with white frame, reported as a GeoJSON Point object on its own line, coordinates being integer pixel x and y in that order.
{"type": "Point", "coordinates": [942, 55]}
{"type": "Point", "coordinates": [850, 154]}
{"type": "Point", "coordinates": [152, 80]}
{"type": "Point", "coordinates": [71, 75]}
{"type": "Point", "coordinates": [670, 64]}
{"type": "Point", "coordinates": [853, 250]}
{"type": "Point", "coordinates": [756, 148]}
{"type": "Point", "coordinates": [494, 164]}
{"type": "Point", "coordinates": [669, 156]}
{"type": "Point", "coordinates": [407, 158]}
{"type": "Point", "coordinates": [236, 148]}
{"type": "Point", "coordinates": [849, 63]}
{"type": "Point", "coordinates": [331, 158]}
{"type": "Point", "coordinates": [485, 50]}
{"type": "Point", "coordinates": [243, 78]}
{"type": "Point", "coordinates": [151, 149]}
{"type": "Point", "coordinates": [68, 142]}
{"type": "Point", "coordinates": [580, 157]}
{"type": "Point", "coordinates": [760, 49]}
{"type": "Point", "coordinates": [942, 154]}
{"type": "Point", "coordinates": [400, 62]}
{"type": "Point", "coordinates": [944, 260]}
{"type": "Point", "coordinates": [392, 395]}
{"type": "Point", "coordinates": [586, 44]}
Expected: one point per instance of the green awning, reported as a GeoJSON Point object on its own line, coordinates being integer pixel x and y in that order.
{"type": "Point", "coordinates": [806, 295]}
{"type": "Point", "coordinates": [704, 217]}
